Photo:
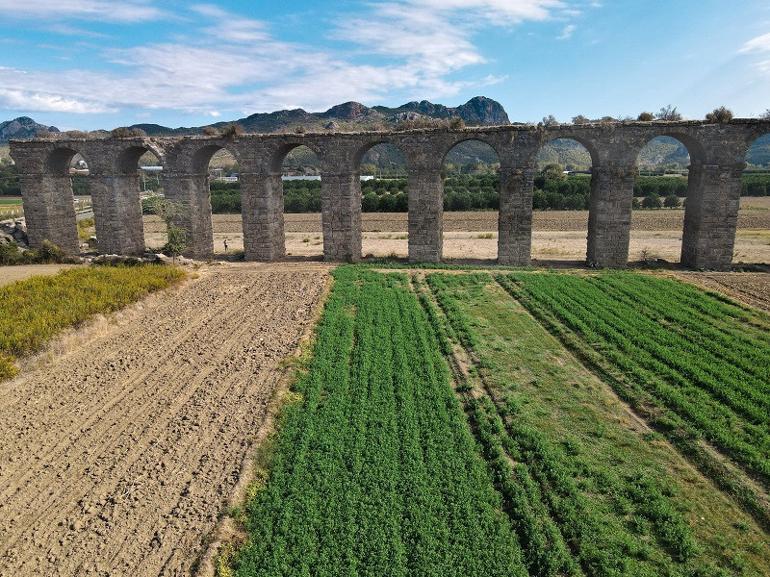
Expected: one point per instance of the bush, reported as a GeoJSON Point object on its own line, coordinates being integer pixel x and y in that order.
{"type": "Point", "coordinates": [646, 117]}
{"type": "Point", "coordinates": [652, 201]}
{"type": "Point", "coordinates": [720, 115]}
{"type": "Point", "coordinates": [672, 201]}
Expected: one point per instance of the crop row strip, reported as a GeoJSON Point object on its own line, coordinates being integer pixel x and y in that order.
{"type": "Point", "coordinates": [682, 362]}
{"type": "Point", "coordinates": [375, 471]}
{"type": "Point", "coordinates": [630, 382]}
{"type": "Point", "coordinates": [640, 358]}
{"type": "Point", "coordinates": [535, 463]}
{"type": "Point", "coordinates": [546, 551]}
{"type": "Point", "coordinates": [724, 341]}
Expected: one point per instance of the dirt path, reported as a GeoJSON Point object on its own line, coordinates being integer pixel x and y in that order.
{"type": "Point", "coordinates": [116, 458]}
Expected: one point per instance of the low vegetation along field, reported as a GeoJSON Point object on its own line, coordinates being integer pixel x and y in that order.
{"type": "Point", "coordinates": [453, 423]}
{"type": "Point", "coordinates": [34, 310]}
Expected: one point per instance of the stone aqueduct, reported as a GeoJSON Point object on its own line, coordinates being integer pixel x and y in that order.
{"type": "Point", "coordinates": [717, 153]}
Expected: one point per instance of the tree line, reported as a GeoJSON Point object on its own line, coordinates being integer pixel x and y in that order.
{"type": "Point", "coordinates": [553, 191]}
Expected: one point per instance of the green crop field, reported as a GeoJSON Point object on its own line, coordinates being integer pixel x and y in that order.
{"type": "Point", "coordinates": [456, 423]}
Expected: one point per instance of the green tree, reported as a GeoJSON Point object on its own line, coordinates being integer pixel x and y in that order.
{"type": "Point", "coordinates": [552, 171]}
{"type": "Point", "coordinates": [652, 201]}
{"type": "Point", "coordinates": [171, 212]}
{"type": "Point", "coordinates": [672, 201]}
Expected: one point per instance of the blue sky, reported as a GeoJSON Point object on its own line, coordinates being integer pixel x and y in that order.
{"type": "Point", "coordinates": [99, 64]}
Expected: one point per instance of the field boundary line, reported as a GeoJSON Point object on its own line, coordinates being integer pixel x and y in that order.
{"type": "Point", "coordinates": [228, 531]}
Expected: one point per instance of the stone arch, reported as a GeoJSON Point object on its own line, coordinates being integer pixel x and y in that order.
{"type": "Point", "coordinates": [468, 189]}
{"type": "Point", "coordinates": [573, 193]}
{"type": "Point", "coordinates": [481, 138]}
{"type": "Point", "coordinates": [58, 160]}
{"type": "Point", "coordinates": [127, 161]}
{"type": "Point", "coordinates": [201, 157]}
{"type": "Point", "coordinates": [382, 189]}
{"type": "Point", "coordinates": [279, 154]}
{"type": "Point", "coordinates": [649, 190]}
{"type": "Point", "coordinates": [362, 151]}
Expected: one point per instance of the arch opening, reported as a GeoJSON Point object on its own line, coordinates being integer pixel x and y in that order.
{"type": "Point", "coordinates": [300, 180]}
{"type": "Point", "coordinates": [560, 200]}
{"type": "Point", "coordinates": [751, 241]}
{"type": "Point", "coordinates": [223, 181]}
{"type": "Point", "coordinates": [72, 165]}
{"type": "Point", "coordinates": [660, 196]}
{"type": "Point", "coordinates": [384, 201]}
{"type": "Point", "coordinates": [471, 201]}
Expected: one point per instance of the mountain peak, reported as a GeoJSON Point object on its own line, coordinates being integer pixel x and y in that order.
{"type": "Point", "coordinates": [22, 127]}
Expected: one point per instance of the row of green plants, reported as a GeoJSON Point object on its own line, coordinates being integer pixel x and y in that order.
{"type": "Point", "coordinates": [374, 470]}
{"type": "Point", "coordinates": [690, 362]}
{"type": "Point", "coordinates": [573, 517]}
{"type": "Point", "coordinates": [472, 193]}
{"type": "Point", "coordinates": [33, 311]}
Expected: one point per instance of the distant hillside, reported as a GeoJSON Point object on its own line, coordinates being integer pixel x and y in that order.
{"type": "Point", "coordinates": [22, 127]}
{"type": "Point", "coordinates": [351, 116]}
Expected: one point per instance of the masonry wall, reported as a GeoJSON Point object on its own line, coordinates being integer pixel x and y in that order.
{"type": "Point", "coordinates": [717, 153]}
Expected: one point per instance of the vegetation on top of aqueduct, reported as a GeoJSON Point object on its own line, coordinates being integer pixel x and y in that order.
{"type": "Point", "coordinates": [375, 471]}
{"type": "Point", "coordinates": [32, 311]}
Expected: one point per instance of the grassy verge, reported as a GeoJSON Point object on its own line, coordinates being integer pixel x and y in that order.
{"type": "Point", "coordinates": [587, 486]}
{"type": "Point", "coordinates": [35, 310]}
{"type": "Point", "coordinates": [375, 471]}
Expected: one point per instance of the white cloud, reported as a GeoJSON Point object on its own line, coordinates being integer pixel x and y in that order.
{"type": "Point", "coordinates": [758, 44]}
{"type": "Point", "coordinates": [231, 64]}
{"type": "Point", "coordinates": [46, 102]}
{"type": "Point", "coordinates": [105, 10]}
{"type": "Point", "coordinates": [567, 32]}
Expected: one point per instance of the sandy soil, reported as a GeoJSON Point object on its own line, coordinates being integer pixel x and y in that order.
{"type": "Point", "coordinates": [752, 288]}
{"type": "Point", "coordinates": [9, 274]}
{"type": "Point", "coordinates": [557, 235]}
{"type": "Point", "coordinates": [118, 450]}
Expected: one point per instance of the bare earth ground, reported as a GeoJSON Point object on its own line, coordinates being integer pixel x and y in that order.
{"type": "Point", "coordinates": [119, 447]}
{"type": "Point", "coordinates": [9, 274]}
{"type": "Point", "coordinates": [557, 235]}
{"type": "Point", "coordinates": [752, 288]}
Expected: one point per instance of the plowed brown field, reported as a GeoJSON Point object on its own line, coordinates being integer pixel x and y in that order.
{"type": "Point", "coordinates": [116, 456]}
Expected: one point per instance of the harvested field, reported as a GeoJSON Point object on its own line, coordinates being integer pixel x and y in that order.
{"type": "Point", "coordinates": [752, 288]}
{"type": "Point", "coordinates": [119, 447]}
{"type": "Point", "coordinates": [557, 235]}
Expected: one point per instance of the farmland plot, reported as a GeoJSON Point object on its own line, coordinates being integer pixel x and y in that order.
{"type": "Point", "coordinates": [587, 484]}
{"type": "Point", "coordinates": [530, 466]}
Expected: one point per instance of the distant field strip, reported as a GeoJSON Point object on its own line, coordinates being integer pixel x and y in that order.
{"type": "Point", "coordinates": [693, 364]}
{"type": "Point", "coordinates": [589, 490]}
{"type": "Point", "coordinates": [375, 471]}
